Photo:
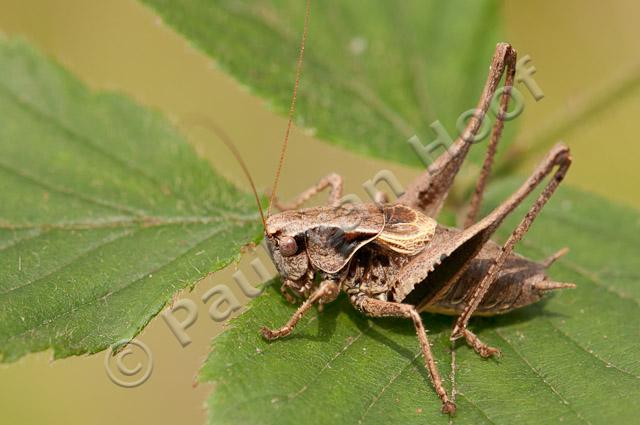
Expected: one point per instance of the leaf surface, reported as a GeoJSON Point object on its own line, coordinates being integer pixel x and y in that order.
{"type": "Point", "coordinates": [375, 73]}
{"type": "Point", "coordinates": [105, 213]}
{"type": "Point", "coordinates": [571, 358]}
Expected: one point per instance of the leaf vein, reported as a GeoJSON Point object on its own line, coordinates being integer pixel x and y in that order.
{"type": "Point", "coordinates": [475, 406]}
{"type": "Point", "coordinates": [542, 378]}
{"type": "Point", "coordinates": [349, 343]}
{"type": "Point", "coordinates": [62, 190]}
{"type": "Point", "coordinates": [394, 377]}
{"type": "Point", "coordinates": [84, 253]}
{"type": "Point", "coordinates": [608, 365]}
{"type": "Point", "coordinates": [28, 236]}
{"type": "Point", "coordinates": [109, 294]}
{"type": "Point", "coordinates": [83, 140]}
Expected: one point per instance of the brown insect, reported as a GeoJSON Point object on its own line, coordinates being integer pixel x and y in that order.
{"type": "Point", "coordinates": [394, 260]}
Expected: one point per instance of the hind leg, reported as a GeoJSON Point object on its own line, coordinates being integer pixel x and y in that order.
{"type": "Point", "coordinates": [558, 157]}
{"type": "Point", "coordinates": [429, 190]}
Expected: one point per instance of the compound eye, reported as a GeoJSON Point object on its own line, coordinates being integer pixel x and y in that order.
{"type": "Point", "coordinates": [288, 246]}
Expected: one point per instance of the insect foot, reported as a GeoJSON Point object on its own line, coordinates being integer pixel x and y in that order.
{"type": "Point", "coordinates": [449, 407]}
{"type": "Point", "coordinates": [486, 352]}
{"type": "Point", "coordinates": [480, 347]}
{"type": "Point", "coordinates": [327, 291]}
{"type": "Point", "coordinates": [273, 334]}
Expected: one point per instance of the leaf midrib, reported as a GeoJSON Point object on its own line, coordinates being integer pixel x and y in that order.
{"type": "Point", "coordinates": [124, 221]}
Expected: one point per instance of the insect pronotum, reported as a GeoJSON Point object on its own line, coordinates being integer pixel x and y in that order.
{"type": "Point", "coordinates": [393, 259]}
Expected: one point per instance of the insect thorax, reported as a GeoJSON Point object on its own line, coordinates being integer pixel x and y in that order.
{"type": "Point", "coordinates": [372, 270]}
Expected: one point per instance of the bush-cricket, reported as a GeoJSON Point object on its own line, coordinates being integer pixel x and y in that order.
{"type": "Point", "coordinates": [393, 259]}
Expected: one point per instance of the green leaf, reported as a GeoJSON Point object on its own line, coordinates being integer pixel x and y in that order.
{"type": "Point", "coordinates": [571, 358]}
{"type": "Point", "coordinates": [375, 73]}
{"type": "Point", "coordinates": [105, 212]}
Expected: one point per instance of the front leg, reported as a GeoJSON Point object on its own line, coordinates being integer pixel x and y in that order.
{"type": "Point", "coordinates": [378, 308]}
{"type": "Point", "coordinates": [327, 292]}
{"type": "Point", "coordinates": [285, 290]}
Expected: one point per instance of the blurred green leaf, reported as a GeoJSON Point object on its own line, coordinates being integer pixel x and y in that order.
{"type": "Point", "coordinates": [570, 359]}
{"type": "Point", "coordinates": [375, 73]}
{"type": "Point", "coordinates": [105, 212]}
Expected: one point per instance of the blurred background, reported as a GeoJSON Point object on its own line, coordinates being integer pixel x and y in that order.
{"type": "Point", "coordinates": [586, 52]}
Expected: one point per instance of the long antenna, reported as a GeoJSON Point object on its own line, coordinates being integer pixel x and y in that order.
{"type": "Point", "coordinates": [292, 106]}
{"type": "Point", "coordinates": [224, 137]}
{"type": "Point", "coordinates": [227, 141]}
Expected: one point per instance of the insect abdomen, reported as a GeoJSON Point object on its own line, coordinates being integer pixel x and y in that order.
{"type": "Point", "coordinates": [520, 282]}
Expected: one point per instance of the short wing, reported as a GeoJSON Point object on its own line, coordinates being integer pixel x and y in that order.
{"type": "Point", "coordinates": [446, 258]}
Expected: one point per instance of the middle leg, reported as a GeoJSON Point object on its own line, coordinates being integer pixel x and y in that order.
{"type": "Point", "coordinates": [332, 180]}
